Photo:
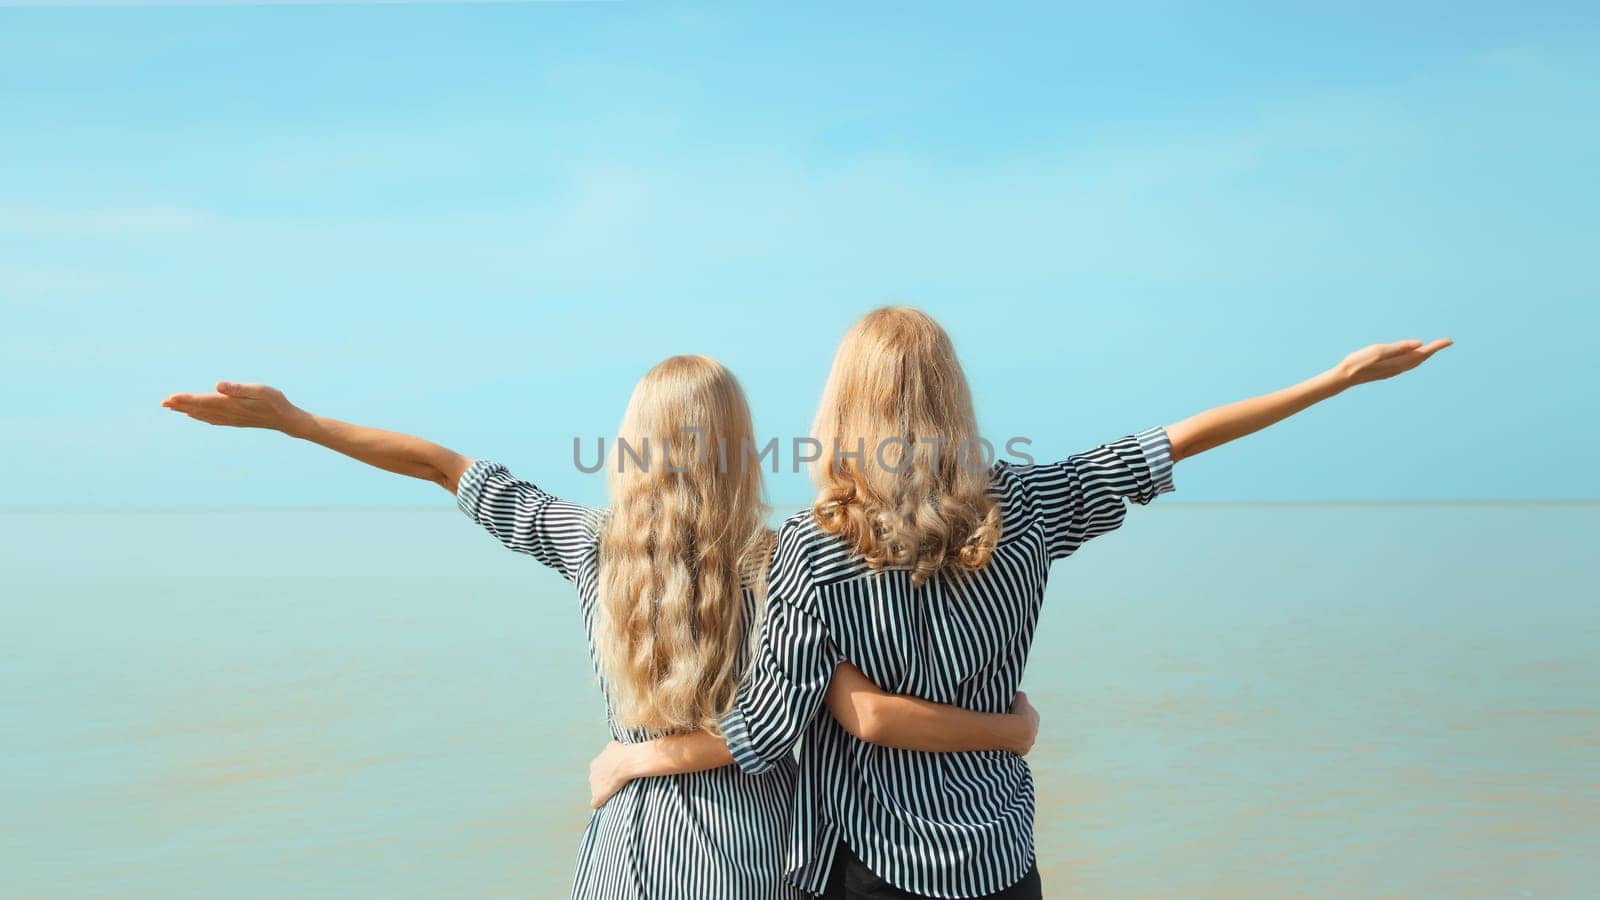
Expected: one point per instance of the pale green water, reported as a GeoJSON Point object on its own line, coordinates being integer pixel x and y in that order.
{"type": "Point", "coordinates": [1239, 702]}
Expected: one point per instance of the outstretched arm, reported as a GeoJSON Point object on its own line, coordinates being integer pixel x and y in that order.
{"type": "Point", "coordinates": [864, 709]}
{"type": "Point", "coordinates": [260, 406]}
{"type": "Point", "coordinates": [1218, 426]}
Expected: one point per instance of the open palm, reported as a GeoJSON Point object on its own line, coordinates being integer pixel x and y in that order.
{"type": "Point", "coordinates": [1380, 361]}
{"type": "Point", "coordinates": [236, 405]}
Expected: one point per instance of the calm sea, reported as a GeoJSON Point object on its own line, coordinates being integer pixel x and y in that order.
{"type": "Point", "coordinates": [1238, 701]}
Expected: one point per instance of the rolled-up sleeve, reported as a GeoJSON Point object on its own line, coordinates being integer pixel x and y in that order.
{"type": "Point", "coordinates": [527, 519]}
{"type": "Point", "coordinates": [793, 665]}
{"type": "Point", "coordinates": [1086, 495]}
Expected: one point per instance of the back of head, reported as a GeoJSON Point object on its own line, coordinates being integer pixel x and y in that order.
{"type": "Point", "coordinates": [687, 531]}
{"type": "Point", "coordinates": [903, 476]}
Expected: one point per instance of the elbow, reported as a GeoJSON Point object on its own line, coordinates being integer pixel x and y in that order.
{"type": "Point", "coordinates": [757, 767]}
{"type": "Point", "coordinates": [751, 763]}
{"type": "Point", "coordinates": [868, 723]}
{"type": "Point", "coordinates": [1181, 447]}
{"type": "Point", "coordinates": [750, 759]}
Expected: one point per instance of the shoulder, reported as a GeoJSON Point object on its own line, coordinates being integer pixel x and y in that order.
{"type": "Point", "coordinates": [827, 558]}
{"type": "Point", "coordinates": [1016, 487]}
{"type": "Point", "coordinates": [797, 537]}
{"type": "Point", "coordinates": [804, 547]}
{"type": "Point", "coordinates": [1005, 477]}
{"type": "Point", "coordinates": [801, 526]}
{"type": "Point", "coordinates": [1010, 482]}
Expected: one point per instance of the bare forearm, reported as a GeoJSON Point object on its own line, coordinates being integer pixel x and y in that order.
{"type": "Point", "coordinates": [618, 764]}
{"type": "Point", "coordinates": [391, 451]}
{"type": "Point", "coordinates": [676, 754]}
{"type": "Point", "coordinates": [910, 723]}
{"type": "Point", "coordinates": [1218, 426]}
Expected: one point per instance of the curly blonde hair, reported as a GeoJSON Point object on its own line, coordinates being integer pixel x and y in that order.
{"type": "Point", "coordinates": [903, 477]}
{"type": "Point", "coordinates": [686, 534]}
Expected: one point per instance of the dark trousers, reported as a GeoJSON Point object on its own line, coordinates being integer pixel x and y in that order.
{"type": "Point", "coordinates": [852, 880]}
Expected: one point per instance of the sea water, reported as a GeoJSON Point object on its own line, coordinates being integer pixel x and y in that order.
{"type": "Point", "coordinates": [1238, 701]}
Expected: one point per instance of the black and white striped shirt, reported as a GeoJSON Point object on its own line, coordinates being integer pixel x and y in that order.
{"type": "Point", "coordinates": [718, 833]}
{"type": "Point", "coordinates": [935, 824]}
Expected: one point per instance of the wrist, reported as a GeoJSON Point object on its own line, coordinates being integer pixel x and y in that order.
{"type": "Point", "coordinates": [1014, 732]}
{"type": "Point", "coordinates": [1334, 380]}
{"type": "Point", "coordinates": [298, 423]}
{"type": "Point", "coordinates": [1340, 377]}
{"type": "Point", "coordinates": [635, 761]}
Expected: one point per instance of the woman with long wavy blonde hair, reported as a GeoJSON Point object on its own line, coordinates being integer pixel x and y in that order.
{"type": "Point", "coordinates": [688, 533]}
{"type": "Point", "coordinates": [926, 565]}
{"type": "Point", "coordinates": [670, 584]}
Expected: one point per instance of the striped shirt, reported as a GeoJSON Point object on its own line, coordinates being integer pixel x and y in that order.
{"type": "Point", "coordinates": [934, 824]}
{"type": "Point", "coordinates": [718, 833]}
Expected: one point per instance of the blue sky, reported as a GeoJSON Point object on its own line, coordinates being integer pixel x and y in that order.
{"type": "Point", "coordinates": [482, 222]}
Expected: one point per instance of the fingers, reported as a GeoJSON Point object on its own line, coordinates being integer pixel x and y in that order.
{"type": "Point", "coordinates": [1413, 345]}
{"type": "Point", "coordinates": [211, 403]}
{"type": "Point", "coordinates": [212, 409]}
{"type": "Point", "coordinates": [185, 402]}
{"type": "Point", "coordinates": [234, 389]}
{"type": "Point", "coordinates": [182, 402]}
{"type": "Point", "coordinates": [1403, 356]}
{"type": "Point", "coordinates": [1436, 346]}
{"type": "Point", "coordinates": [208, 417]}
{"type": "Point", "coordinates": [1021, 705]}
{"type": "Point", "coordinates": [1418, 355]}
{"type": "Point", "coordinates": [599, 793]}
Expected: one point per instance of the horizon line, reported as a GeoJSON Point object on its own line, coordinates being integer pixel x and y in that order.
{"type": "Point", "coordinates": [136, 4]}
{"type": "Point", "coordinates": [1461, 502]}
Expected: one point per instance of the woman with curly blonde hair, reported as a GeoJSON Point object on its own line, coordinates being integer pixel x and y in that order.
{"type": "Point", "coordinates": [670, 583]}
{"type": "Point", "coordinates": [925, 565]}
{"type": "Point", "coordinates": [921, 501]}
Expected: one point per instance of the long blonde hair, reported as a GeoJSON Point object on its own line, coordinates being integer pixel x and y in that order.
{"type": "Point", "coordinates": [902, 477]}
{"type": "Point", "coordinates": [686, 533]}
